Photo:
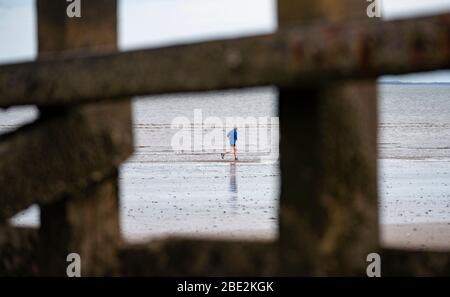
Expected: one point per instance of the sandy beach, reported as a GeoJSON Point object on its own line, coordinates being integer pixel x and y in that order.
{"type": "Point", "coordinates": [432, 236]}
{"type": "Point", "coordinates": [414, 166]}
{"type": "Point", "coordinates": [220, 199]}
{"type": "Point", "coordinates": [168, 193]}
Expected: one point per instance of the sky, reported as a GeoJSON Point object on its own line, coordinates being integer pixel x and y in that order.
{"type": "Point", "coordinates": [181, 21]}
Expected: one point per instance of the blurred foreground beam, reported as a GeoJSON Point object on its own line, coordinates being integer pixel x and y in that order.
{"type": "Point", "coordinates": [190, 257]}
{"type": "Point", "coordinates": [78, 150]}
{"type": "Point", "coordinates": [328, 148]}
{"type": "Point", "coordinates": [61, 155]}
{"type": "Point", "coordinates": [18, 251]}
{"type": "Point", "coordinates": [328, 160]}
{"type": "Point", "coordinates": [414, 263]}
{"type": "Point", "coordinates": [294, 56]}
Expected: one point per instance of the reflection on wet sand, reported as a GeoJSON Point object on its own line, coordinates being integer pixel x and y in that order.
{"type": "Point", "coordinates": [233, 201]}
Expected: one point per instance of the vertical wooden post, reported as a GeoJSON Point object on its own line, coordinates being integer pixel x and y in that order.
{"type": "Point", "coordinates": [85, 223]}
{"type": "Point", "coordinates": [328, 149]}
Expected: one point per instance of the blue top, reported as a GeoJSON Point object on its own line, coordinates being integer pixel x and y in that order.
{"type": "Point", "coordinates": [233, 136]}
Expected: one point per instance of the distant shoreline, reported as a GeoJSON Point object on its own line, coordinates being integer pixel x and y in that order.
{"type": "Point", "coordinates": [412, 83]}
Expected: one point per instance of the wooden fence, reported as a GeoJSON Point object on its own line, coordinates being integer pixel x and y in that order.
{"type": "Point", "coordinates": [323, 58]}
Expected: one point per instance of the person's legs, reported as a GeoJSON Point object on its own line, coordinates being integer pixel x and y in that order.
{"type": "Point", "coordinates": [231, 151]}
{"type": "Point", "coordinates": [226, 152]}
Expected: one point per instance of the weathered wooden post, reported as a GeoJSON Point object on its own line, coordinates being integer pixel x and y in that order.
{"type": "Point", "coordinates": [86, 222]}
{"type": "Point", "coordinates": [328, 211]}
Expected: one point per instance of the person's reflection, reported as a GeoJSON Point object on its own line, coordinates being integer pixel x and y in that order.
{"type": "Point", "coordinates": [233, 188]}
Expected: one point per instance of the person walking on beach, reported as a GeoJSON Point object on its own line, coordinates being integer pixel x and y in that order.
{"type": "Point", "coordinates": [232, 136]}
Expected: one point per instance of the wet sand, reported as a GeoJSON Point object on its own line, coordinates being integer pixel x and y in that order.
{"type": "Point", "coordinates": [219, 199]}
{"type": "Point", "coordinates": [414, 191]}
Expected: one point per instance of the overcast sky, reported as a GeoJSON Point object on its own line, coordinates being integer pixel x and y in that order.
{"type": "Point", "coordinates": [145, 23]}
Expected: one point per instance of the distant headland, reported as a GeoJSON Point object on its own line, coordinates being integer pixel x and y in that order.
{"type": "Point", "coordinates": [411, 83]}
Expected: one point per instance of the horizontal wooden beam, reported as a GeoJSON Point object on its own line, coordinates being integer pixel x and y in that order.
{"type": "Point", "coordinates": [397, 262]}
{"type": "Point", "coordinates": [62, 155]}
{"type": "Point", "coordinates": [292, 56]}
{"type": "Point", "coordinates": [201, 257]}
